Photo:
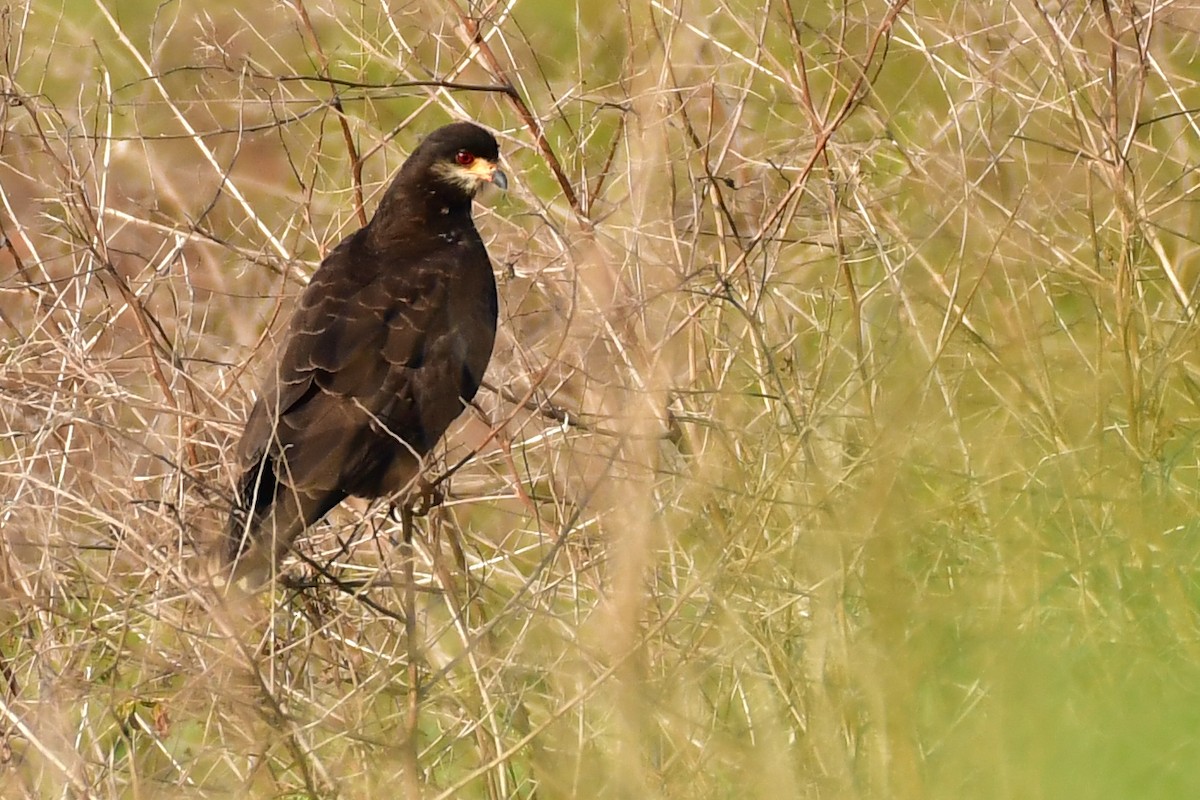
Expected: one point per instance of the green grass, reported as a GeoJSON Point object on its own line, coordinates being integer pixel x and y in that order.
{"type": "Point", "coordinates": [877, 481]}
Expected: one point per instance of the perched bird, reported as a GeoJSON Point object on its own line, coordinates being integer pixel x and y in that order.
{"type": "Point", "coordinates": [387, 345]}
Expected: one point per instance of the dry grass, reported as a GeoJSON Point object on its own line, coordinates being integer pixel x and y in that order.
{"type": "Point", "coordinates": [839, 441]}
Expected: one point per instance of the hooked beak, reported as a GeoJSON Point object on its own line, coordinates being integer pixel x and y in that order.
{"type": "Point", "coordinates": [484, 170]}
{"type": "Point", "coordinates": [499, 178]}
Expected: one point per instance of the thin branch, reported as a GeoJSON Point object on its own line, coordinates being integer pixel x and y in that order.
{"type": "Point", "coordinates": [473, 36]}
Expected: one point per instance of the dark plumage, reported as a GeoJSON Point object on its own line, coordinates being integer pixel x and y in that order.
{"type": "Point", "coordinates": [387, 345]}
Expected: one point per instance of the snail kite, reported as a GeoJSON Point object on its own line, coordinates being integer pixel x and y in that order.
{"type": "Point", "coordinates": [388, 344]}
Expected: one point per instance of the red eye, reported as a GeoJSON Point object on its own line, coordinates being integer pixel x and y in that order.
{"type": "Point", "coordinates": [463, 157]}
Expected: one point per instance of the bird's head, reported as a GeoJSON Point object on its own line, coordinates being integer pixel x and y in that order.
{"type": "Point", "coordinates": [460, 157]}
{"type": "Point", "coordinates": [435, 186]}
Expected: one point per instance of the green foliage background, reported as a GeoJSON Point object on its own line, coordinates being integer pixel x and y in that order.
{"type": "Point", "coordinates": [840, 441]}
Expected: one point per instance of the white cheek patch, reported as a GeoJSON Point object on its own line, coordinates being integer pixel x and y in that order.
{"type": "Point", "coordinates": [455, 175]}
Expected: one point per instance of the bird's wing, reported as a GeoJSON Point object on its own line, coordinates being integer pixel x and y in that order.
{"type": "Point", "coordinates": [329, 381]}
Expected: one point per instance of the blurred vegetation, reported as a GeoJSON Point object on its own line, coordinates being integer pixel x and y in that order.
{"type": "Point", "coordinates": [840, 441]}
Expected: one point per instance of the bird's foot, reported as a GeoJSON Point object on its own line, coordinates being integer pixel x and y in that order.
{"type": "Point", "coordinates": [425, 496]}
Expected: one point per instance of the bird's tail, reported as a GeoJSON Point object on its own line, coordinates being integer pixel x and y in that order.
{"type": "Point", "coordinates": [267, 519]}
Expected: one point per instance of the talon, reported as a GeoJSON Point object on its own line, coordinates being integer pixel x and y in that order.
{"type": "Point", "coordinates": [424, 498]}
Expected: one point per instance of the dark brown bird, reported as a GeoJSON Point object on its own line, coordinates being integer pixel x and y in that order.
{"type": "Point", "coordinates": [388, 344]}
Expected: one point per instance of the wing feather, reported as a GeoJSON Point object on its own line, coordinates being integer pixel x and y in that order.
{"type": "Point", "coordinates": [375, 366]}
